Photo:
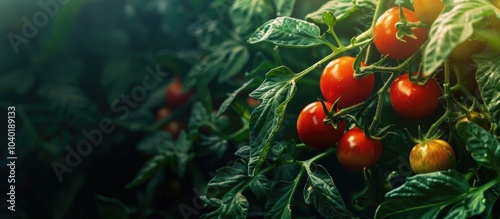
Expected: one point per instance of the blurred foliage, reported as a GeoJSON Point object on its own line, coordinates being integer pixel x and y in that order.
{"type": "Point", "coordinates": [67, 65]}
{"type": "Point", "coordinates": [97, 138]}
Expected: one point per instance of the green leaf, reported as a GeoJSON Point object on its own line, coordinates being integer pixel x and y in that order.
{"type": "Point", "coordinates": [224, 192]}
{"type": "Point", "coordinates": [225, 105]}
{"type": "Point", "coordinates": [288, 32]}
{"type": "Point", "coordinates": [260, 186]}
{"type": "Point", "coordinates": [275, 92]}
{"type": "Point", "coordinates": [341, 9]}
{"type": "Point", "coordinates": [247, 15]}
{"type": "Point", "coordinates": [429, 194]}
{"type": "Point", "coordinates": [484, 146]}
{"type": "Point", "coordinates": [322, 193]}
{"type": "Point", "coordinates": [214, 143]}
{"type": "Point", "coordinates": [235, 206]}
{"type": "Point", "coordinates": [234, 63]}
{"type": "Point", "coordinates": [243, 152]}
{"type": "Point", "coordinates": [203, 94]}
{"type": "Point", "coordinates": [461, 210]}
{"type": "Point", "coordinates": [227, 178]}
{"type": "Point", "coordinates": [154, 143]}
{"type": "Point", "coordinates": [199, 116]}
{"type": "Point", "coordinates": [488, 79]}
{"type": "Point", "coordinates": [111, 208]}
{"type": "Point", "coordinates": [226, 60]}
{"type": "Point", "coordinates": [282, 151]}
{"type": "Point", "coordinates": [278, 205]}
{"type": "Point", "coordinates": [149, 169]}
{"type": "Point", "coordinates": [284, 7]}
{"type": "Point", "coordinates": [454, 26]}
{"type": "Point", "coordinates": [491, 197]}
{"type": "Point", "coordinates": [173, 154]}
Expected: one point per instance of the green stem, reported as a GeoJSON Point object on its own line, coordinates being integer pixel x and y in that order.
{"type": "Point", "coordinates": [327, 58]}
{"type": "Point", "coordinates": [447, 96]}
{"type": "Point", "coordinates": [381, 7]}
{"type": "Point", "coordinates": [380, 102]}
{"type": "Point", "coordinates": [332, 32]}
{"type": "Point", "coordinates": [318, 157]}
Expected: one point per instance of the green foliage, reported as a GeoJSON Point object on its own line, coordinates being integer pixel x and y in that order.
{"type": "Point", "coordinates": [428, 195]}
{"type": "Point", "coordinates": [275, 93]}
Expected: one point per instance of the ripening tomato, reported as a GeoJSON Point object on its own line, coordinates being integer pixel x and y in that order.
{"type": "Point", "coordinates": [428, 10]}
{"type": "Point", "coordinates": [385, 35]}
{"type": "Point", "coordinates": [463, 51]}
{"type": "Point", "coordinates": [311, 129]}
{"type": "Point", "coordinates": [430, 156]}
{"type": "Point", "coordinates": [175, 94]}
{"type": "Point", "coordinates": [478, 118]}
{"type": "Point", "coordinates": [495, 22]}
{"type": "Point", "coordinates": [338, 80]}
{"type": "Point", "coordinates": [357, 151]}
{"type": "Point", "coordinates": [413, 101]}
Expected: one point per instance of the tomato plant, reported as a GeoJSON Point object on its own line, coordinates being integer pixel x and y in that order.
{"type": "Point", "coordinates": [432, 155]}
{"type": "Point", "coordinates": [338, 81]}
{"type": "Point", "coordinates": [356, 151]}
{"type": "Point", "coordinates": [311, 129]}
{"type": "Point", "coordinates": [251, 109]}
{"type": "Point", "coordinates": [386, 39]}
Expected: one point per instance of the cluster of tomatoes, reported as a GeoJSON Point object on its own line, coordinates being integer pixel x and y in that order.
{"type": "Point", "coordinates": [356, 150]}
{"type": "Point", "coordinates": [175, 96]}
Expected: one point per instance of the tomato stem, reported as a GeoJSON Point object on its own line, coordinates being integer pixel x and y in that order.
{"type": "Point", "coordinates": [447, 97]}
{"type": "Point", "coordinates": [381, 7]}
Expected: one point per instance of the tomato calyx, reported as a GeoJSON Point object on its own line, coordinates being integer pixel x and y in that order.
{"type": "Point", "coordinates": [332, 117]}
{"type": "Point", "coordinates": [405, 27]}
{"type": "Point", "coordinates": [419, 78]}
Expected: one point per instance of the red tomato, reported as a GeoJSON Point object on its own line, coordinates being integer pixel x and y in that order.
{"type": "Point", "coordinates": [311, 129]}
{"type": "Point", "coordinates": [173, 127]}
{"type": "Point", "coordinates": [413, 101]}
{"type": "Point", "coordinates": [463, 51]}
{"type": "Point", "coordinates": [431, 156]}
{"type": "Point", "coordinates": [356, 151]}
{"type": "Point", "coordinates": [385, 35]}
{"type": "Point", "coordinates": [175, 94]}
{"type": "Point", "coordinates": [428, 10]}
{"type": "Point", "coordinates": [337, 80]}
